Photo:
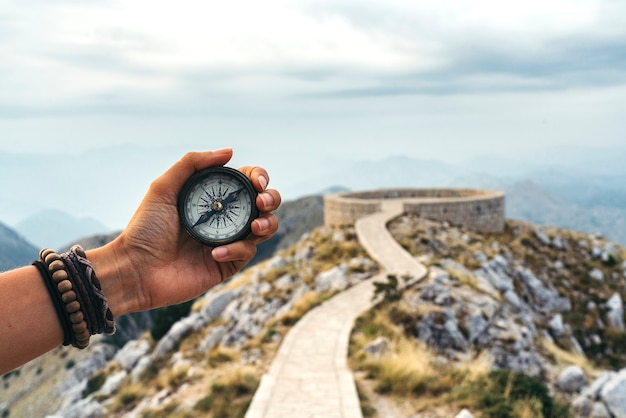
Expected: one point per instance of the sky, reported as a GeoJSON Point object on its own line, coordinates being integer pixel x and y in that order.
{"type": "Point", "coordinates": [297, 85]}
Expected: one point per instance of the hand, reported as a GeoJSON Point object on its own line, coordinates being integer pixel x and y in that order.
{"type": "Point", "coordinates": [157, 263]}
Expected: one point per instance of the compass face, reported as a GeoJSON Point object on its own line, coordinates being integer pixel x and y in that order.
{"type": "Point", "coordinates": [217, 206]}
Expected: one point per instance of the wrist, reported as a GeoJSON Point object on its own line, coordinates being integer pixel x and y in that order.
{"type": "Point", "coordinates": [116, 274]}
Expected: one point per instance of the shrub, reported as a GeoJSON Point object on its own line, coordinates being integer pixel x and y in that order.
{"type": "Point", "coordinates": [504, 393]}
{"type": "Point", "coordinates": [230, 397]}
{"type": "Point", "coordinates": [94, 383]}
{"type": "Point", "coordinates": [389, 290]}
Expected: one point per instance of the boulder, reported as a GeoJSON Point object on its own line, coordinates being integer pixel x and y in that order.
{"type": "Point", "coordinates": [333, 279]}
{"type": "Point", "coordinates": [613, 394]}
{"type": "Point", "coordinates": [130, 354]}
{"type": "Point", "coordinates": [571, 379]}
{"type": "Point", "coordinates": [215, 303]}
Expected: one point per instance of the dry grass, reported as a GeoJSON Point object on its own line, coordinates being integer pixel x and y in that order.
{"type": "Point", "coordinates": [408, 369]}
{"type": "Point", "coordinates": [307, 302]}
{"type": "Point", "coordinates": [566, 358]}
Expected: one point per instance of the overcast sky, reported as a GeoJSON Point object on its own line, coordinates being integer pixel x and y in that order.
{"type": "Point", "coordinates": [313, 80]}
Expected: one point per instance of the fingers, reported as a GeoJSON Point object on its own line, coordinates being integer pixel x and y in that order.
{"type": "Point", "coordinates": [268, 201]}
{"type": "Point", "coordinates": [263, 228]}
{"type": "Point", "coordinates": [265, 225]}
{"type": "Point", "coordinates": [239, 251]}
{"type": "Point", "coordinates": [259, 177]}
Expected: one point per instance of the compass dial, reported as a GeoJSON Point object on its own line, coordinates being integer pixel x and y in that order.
{"type": "Point", "coordinates": [217, 206]}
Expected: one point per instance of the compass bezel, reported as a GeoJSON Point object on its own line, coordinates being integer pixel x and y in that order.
{"type": "Point", "coordinates": [243, 228]}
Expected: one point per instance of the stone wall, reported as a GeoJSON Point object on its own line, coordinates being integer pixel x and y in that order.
{"type": "Point", "coordinates": [477, 210]}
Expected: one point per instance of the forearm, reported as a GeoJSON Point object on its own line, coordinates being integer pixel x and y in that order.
{"type": "Point", "coordinates": [29, 326]}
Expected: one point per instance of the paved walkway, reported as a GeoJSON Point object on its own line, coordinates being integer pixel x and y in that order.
{"type": "Point", "coordinates": [309, 377]}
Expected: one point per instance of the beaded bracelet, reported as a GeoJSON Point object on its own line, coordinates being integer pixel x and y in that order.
{"type": "Point", "coordinates": [77, 296]}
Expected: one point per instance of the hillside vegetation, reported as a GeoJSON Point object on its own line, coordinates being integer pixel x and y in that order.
{"type": "Point", "coordinates": [495, 325]}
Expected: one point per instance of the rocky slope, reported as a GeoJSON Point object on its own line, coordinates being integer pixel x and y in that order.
{"type": "Point", "coordinates": [541, 301]}
{"type": "Point", "coordinates": [228, 339]}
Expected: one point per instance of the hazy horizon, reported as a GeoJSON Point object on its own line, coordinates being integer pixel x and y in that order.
{"type": "Point", "coordinates": [107, 183]}
{"type": "Point", "coordinates": [301, 88]}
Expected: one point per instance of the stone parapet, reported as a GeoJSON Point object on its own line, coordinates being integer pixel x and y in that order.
{"type": "Point", "coordinates": [474, 209]}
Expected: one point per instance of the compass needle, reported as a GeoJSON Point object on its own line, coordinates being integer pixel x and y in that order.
{"type": "Point", "coordinates": [221, 198]}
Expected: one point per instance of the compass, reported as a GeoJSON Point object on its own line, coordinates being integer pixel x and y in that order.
{"type": "Point", "coordinates": [217, 206]}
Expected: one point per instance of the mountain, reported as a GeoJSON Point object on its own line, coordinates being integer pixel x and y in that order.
{"type": "Point", "coordinates": [296, 218]}
{"type": "Point", "coordinates": [15, 251]}
{"type": "Point", "coordinates": [397, 171]}
{"type": "Point", "coordinates": [54, 228]}
{"type": "Point", "coordinates": [528, 322]}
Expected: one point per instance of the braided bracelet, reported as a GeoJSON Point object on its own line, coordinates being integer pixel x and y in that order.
{"type": "Point", "coordinates": [103, 312]}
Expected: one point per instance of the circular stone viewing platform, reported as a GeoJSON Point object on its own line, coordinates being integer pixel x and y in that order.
{"type": "Point", "coordinates": [474, 209]}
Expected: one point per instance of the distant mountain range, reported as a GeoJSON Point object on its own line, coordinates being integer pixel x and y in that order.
{"type": "Point", "coordinates": [15, 251]}
{"type": "Point", "coordinates": [54, 228]}
{"type": "Point", "coordinates": [568, 197]}
{"type": "Point", "coordinates": [582, 195]}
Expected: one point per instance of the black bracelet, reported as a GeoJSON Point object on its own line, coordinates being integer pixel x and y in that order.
{"type": "Point", "coordinates": [59, 306]}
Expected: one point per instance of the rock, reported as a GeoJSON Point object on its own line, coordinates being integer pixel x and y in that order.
{"type": "Point", "coordinates": [215, 303]}
{"type": "Point", "coordinates": [141, 366]}
{"type": "Point", "coordinates": [599, 410]}
{"type": "Point", "coordinates": [496, 273]}
{"type": "Point", "coordinates": [559, 244]}
{"type": "Point", "coordinates": [593, 390]}
{"type": "Point", "coordinates": [465, 413]}
{"type": "Point", "coordinates": [284, 282]}
{"type": "Point", "coordinates": [613, 394]}
{"type": "Point", "coordinates": [596, 274]}
{"type": "Point", "coordinates": [581, 406]}
{"type": "Point", "coordinates": [596, 252]}
{"type": "Point", "coordinates": [213, 338]}
{"type": "Point", "coordinates": [525, 361]}
{"type": "Point", "coordinates": [556, 326]}
{"type": "Point", "coordinates": [440, 330]}
{"type": "Point", "coordinates": [70, 390]}
{"type": "Point", "coordinates": [361, 264]}
{"type": "Point", "coordinates": [128, 356]}
{"type": "Point", "coordinates": [176, 333]}
{"type": "Point", "coordinates": [571, 379]}
{"type": "Point", "coordinates": [377, 348]}
{"type": "Point", "coordinates": [84, 408]}
{"type": "Point", "coordinates": [615, 314]}
{"type": "Point", "coordinates": [333, 279]}
{"type": "Point", "coordinates": [276, 262]}
{"type": "Point", "coordinates": [476, 325]}
{"type": "Point", "coordinates": [112, 384]}
{"type": "Point", "coordinates": [546, 298]}
{"type": "Point", "coordinates": [542, 237]}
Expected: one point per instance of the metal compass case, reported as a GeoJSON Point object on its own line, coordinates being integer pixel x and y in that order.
{"type": "Point", "coordinates": [217, 206]}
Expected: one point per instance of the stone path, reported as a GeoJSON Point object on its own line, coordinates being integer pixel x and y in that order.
{"type": "Point", "coordinates": [309, 377]}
